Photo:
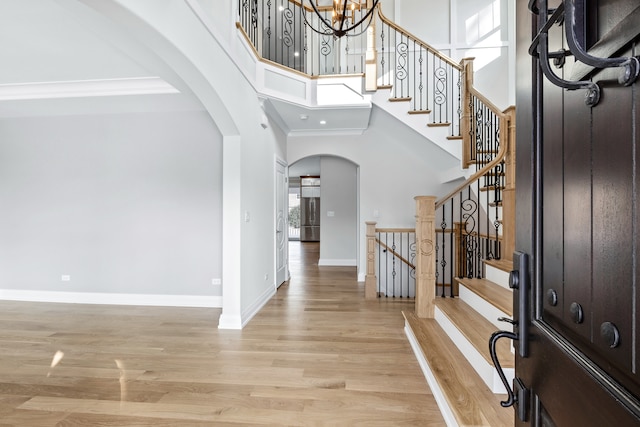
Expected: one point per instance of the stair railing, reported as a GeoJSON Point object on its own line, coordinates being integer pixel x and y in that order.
{"type": "Point", "coordinates": [418, 73]}
{"type": "Point", "coordinates": [470, 218]}
{"type": "Point", "coordinates": [279, 33]}
{"type": "Point", "coordinates": [391, 262]}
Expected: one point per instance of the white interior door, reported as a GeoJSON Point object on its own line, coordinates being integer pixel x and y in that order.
{"type": "Point", "coordinates": [281, 222]}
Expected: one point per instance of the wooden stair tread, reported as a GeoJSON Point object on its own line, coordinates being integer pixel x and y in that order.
{"type": "Point", "coordinates": [501, 264]}
{"type": "Point", "coordinates": [496, 295]}
{"type": "Point", "coordinates": [476, 329]}
{"type": "Point", "coordinates": [443, 124]}
{"type": "Point", "coordinates": [405, 99]}
{"type": "Point", "coordinates": [454, 137]}
{"type": "Point", "coordinates": [469, 398]}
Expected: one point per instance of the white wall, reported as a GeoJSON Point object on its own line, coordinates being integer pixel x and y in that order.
{"type": "Point", "coordinates": [395, 165]}
{"type": "Point", "coordinates": [123, 203]}
{"type": "Point", "coordinates": [191, 47]}
{"type": "Point", "coordinates": [338, 233]}
{"type": "Point", "coordinates": [482, 29]}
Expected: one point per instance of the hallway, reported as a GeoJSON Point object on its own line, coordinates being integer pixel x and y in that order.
{"type": "Point", "coordinates": [317, 354]}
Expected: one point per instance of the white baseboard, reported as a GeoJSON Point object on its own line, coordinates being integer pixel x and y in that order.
{"type": "Point", "coordinates": [337, 262]}
{"type": "Point", "coordinates": [361, 277]}
{"type": "Point", "coordinates": [229, 322]}
{"type": "Point", "coordinates": [112, 298]}
{"type": "Point", "coordinates": [254, 308]}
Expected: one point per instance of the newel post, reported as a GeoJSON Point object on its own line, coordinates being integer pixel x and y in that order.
{"type": "Point", "coordinates": [425, 255]}
{"type": "Point", "coordinates": [370, 280]}
{"type": "Point", "coordinates": [509, 192]}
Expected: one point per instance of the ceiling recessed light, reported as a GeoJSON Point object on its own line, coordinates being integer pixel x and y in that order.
{"type": "Point", "coordinates": [323, 122]}
{"type": "Point", "coordinates": [303, 117]}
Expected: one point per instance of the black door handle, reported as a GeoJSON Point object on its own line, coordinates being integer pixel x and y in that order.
{"type": "Point", "coordinates": [520, 283]}
{"type": "Point", "coordinates": [512, 398]}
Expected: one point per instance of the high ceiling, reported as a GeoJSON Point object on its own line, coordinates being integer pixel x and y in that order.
{"type": "Point", "coordinates": [59, 57]}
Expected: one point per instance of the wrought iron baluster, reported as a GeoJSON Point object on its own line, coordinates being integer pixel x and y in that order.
{"type": "Point", "coordinates": [451, 241]}
{"type": "Point", "coordinates": [386, 264]}
{"type": "Point", "coordinates": [421, 75]}
{"type": "Point", "coordinates": [385, 77]}
{"type": "Point", "coordinates": [402, 71]}
{"type": "Point", "coordinates": [443, 262]}
{"type": "Point", "coordinates": [440, 91]}
{"type": "Point", "coordinates": [379, 253]}
{"type": "Point", "coordinates": [393, 264]}
{"type": "Point", "coordinates": [436, 271]}
{"type": "Point", "coordinates": [401, 265]}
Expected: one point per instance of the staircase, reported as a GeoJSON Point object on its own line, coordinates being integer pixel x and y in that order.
{"type": "Point", "coordinates": [450, 338]}
{"type": "Point", "coordinates": [453, 352]}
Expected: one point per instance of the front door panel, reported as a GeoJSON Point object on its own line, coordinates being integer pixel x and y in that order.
{"type": "Point", "coordinates": [578, 219]}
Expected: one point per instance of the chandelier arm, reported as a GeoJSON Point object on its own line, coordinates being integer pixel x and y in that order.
{"type": "Point", "coordinates": [366, 27]}
{"type": "Point", "coordinates": [367, 15]}
{"type": "Point", "coordinates": [344, 16]}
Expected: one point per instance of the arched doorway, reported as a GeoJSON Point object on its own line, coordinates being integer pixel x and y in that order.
{"type": "Point", "coordinates": [338, 206]}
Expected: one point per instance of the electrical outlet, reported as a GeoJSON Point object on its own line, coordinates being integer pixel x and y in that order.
{"type": "Point", "coordinates": [65, 278]}
{"type": "Point", "coordinates": [266, 276]}
{"type": "Point", "coordinates": [216, 281]}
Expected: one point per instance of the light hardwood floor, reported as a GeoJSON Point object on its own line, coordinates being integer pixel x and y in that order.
{"type": "Point", "coordinates": [318, 354]}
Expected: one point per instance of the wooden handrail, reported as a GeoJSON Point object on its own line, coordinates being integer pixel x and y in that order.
{"type": "Point", "coordinates": [504, 137]}
{"type": "Point", "coordinates": [395, 230]}
{"type": "Point", "coordinates": [425, 45]}
{"type": "Point", "coordinates": [395, 253]}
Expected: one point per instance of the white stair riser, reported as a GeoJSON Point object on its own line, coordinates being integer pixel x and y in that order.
{"type": "Point", "coordinates": [487, 310]}
{"type": "Point", "coordinates": [497, 276]}
{"type": "Point", "coordinates": [485, 370]}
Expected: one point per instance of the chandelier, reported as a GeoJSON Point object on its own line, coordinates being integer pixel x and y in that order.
{"type": "Point", "coordinates": [348, 17]}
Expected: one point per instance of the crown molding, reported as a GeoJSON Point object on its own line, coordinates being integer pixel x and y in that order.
{"type": "Point", "coordinates": [86, 88]}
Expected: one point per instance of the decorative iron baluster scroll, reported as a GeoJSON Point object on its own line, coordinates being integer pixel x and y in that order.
{"type": "Point", "coordinates": [440, 93]}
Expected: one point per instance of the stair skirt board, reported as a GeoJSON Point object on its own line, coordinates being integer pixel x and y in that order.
{"type": "Point", "coordinates": [496, 276]}
{"type": "Point", "coordinates": [485, 370]}
{"type": "Point", "coordinates": [482, 306]}
{"type": "Point", "coordinates": [438, 395]}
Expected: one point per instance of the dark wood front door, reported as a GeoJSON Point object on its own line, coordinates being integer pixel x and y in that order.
{"type": "Point", "coordinates": [578, 222]}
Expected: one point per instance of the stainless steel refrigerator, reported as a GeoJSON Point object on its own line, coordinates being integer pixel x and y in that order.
{"type": "Point", "coordinates": [310, 219]}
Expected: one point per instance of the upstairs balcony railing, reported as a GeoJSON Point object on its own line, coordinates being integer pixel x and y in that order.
{"type": "Point", "coordinates": [429, 81]}
{"type": "Point", "coordinates": [278, 31]}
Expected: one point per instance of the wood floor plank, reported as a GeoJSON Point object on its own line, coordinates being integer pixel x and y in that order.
{"type": "Point", "coordinates": [317, 354]}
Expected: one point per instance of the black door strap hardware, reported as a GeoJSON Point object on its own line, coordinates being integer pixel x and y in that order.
{"type": "Point", "coordinates": [571, 14]}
